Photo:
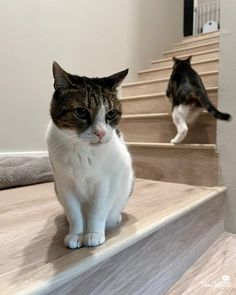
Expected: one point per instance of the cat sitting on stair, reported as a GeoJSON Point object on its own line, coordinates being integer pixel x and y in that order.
{"type": "Point", "coordinates": [91, 164]}
{"type": "Point", "coordinates": [189, 97]}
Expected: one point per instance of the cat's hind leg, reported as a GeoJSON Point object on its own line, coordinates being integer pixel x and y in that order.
{"type": "Point", "coordinates": [180, 114]}
{"type": "Point", "coordinates": [123, 193]}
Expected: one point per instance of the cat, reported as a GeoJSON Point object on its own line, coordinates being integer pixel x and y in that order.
{"type": "Point", "coordinates": [91, 163]}
{"type": "Point", "coordinates": [189, 97]}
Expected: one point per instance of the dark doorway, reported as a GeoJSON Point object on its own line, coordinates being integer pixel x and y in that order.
{"type": "Point", "coordinates": [188, 17]}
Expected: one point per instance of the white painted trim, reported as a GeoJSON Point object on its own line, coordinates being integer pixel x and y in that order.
{"type": "Point", "coordinates": [36, 154]}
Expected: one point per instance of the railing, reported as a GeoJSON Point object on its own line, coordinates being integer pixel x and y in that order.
{"type": "Point", "coordinates": [206, 18]}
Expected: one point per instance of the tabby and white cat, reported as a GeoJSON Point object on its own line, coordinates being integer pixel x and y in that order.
{"type": "Point", "coordinates": [189, 97]}
{"type": "Point", "coordinates": [92, 166]}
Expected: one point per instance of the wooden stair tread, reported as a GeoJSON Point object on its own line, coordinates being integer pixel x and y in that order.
{"type": "Point", "coordinates": [191, 47]}
{"type": "Point", "coordinates": [217, 33]}
{"type": "Point", "coordinates": [140, 116]}
{"type": "Point", "coordinates": [173, 146]}
{"type": "Point", "coordinates": [154, 115]}
{"type": "Point", "coordinates": [158, 94]}
{"type": "Point", "coordinates": [170, 67]}
{"type": "Point", "coordinates": [164, 79]}
{"type": "Point", "coordinates": [33, 225]}
{"type": "Point", "coordinates": [185, 42]}
{"type": "Point", "coordinates": [186, 55]}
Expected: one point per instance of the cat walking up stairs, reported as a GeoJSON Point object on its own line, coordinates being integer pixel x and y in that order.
{"type": "Point", "coordinates": [188, 97]}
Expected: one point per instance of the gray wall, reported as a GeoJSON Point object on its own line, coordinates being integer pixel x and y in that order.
{"type": "Point", "coordinates": [86, 37]}
{"type": "Point", "coordinates": [226, 132]}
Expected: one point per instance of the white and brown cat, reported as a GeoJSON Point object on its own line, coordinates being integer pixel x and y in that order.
{"type": "Point", "coordinates": [92, 166]}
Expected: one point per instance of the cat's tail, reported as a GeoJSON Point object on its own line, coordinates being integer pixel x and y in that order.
{"type": "Point", "coordinates": [206, 104]}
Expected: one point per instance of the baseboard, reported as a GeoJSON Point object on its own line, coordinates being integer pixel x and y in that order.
{"type": "Point", "coordinates": [37, 154]}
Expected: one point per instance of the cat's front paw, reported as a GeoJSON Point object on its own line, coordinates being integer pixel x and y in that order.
{"type": "Point", "coordinates": [73, 241]}
{"type": "Point", "coordinates": [94, 239]}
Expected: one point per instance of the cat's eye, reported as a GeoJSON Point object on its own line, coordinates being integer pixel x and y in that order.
{"type": "Point", "coordinates": [111, 115]}
{"type": "Point", "coordinates": [81, 113]}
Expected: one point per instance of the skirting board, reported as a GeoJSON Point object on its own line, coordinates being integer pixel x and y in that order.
{"type": "Point", "coordinates": [152, 265]}
{"type": "Point", "coordinates": [37, 154]}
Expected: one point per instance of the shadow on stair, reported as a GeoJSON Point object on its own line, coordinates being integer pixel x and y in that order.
{"type": "Point", "coordinates": [48, 246]}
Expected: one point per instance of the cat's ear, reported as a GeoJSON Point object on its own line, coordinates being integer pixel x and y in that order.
{"type": "Point", "coordinates": [61, 77]}
{"type": "Point", "coordinates": [175, 59]}
{"type": "Point", "coordinates": [115, 80]}
{"type": "Point", "coordinates": [189, 59]}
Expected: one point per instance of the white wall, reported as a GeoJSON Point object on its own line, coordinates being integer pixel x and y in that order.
{"type": "Point", "coordinates": [200, 2]}
{"type": "Point", "coordinates": [89, 37]}
{"type": "Point", "coordinates": [226, 133]}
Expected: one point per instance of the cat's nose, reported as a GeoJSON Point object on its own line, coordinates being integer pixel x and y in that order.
{"type": "Point", "coordinates": [100, 133]}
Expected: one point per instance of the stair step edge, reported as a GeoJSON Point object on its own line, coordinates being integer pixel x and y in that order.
{"type": "Point", "coordinates": [173, 146]}
{"type": "Point", "coordinates": [201, 35]}
{"type": "Point", "coordinates": [158, 94]}
{"type": "Point", "coordinates": [164, 79]}
{"type": "Point", "coordinates": [155, 115]}
{"type": "Point", "coordinates": [185, 55]}
{"type": "Point", "coordinates": [183, 42]}
{"type": "Point", "coordinates": [191, 47]}
{"type": "Point", "coordinates": [170, 67]}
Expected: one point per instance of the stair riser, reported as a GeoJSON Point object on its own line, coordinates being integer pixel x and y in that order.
{"type": "Point", "coordinates": [201, 37]}
{"type": "Point", "coordinates": [162, 129]}
{"type": "Point", "coordinates": [189, 166]}
{"type": "Point", "coordinates": [209, 80]}
{"type": "Point", "coordinates": [150, 105]}
{"type": "Point", "coordinates": [165, 256]}
{"type": "Point", "coordinates": [158, 74]}
{"type": "Point", "coordinates": [191, 50]}
{"type": "Point", "coordinates": [195, 58]}
{"type": "Point", "coordinates": [195, 42]}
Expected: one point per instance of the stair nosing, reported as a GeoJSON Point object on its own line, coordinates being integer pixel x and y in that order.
{"type": "Point", "coordinates": [191, 47]}
{"type": "Point", "coordinates": [154, 115]}
{"type": "Point", "coordinates": [200, 35]}
{"type": "Point", "coordinates": [183, 42]}
{"type": "Point", "coordinates": [173, 146]}
{"type": "Point", "coordinates": [184, 55]}
{"type": "Point", "coordinates": [158, 94]}
{"type": "Point", "coordinates": [146, 116]}
{"type": "Point", "coordinates": [170, 67]}
{"type": "Point", "coordinates": [164, 79]}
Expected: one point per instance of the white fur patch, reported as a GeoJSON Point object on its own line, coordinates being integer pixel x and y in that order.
{"type": "Point", "coordinates": [182, 116]}
{"type": "Point", "coordinates": [93, 182]}
{"type": "Point", "coordinates": [179, 115]}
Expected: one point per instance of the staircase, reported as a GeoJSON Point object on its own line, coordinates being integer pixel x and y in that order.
{"type": "Point", "coordinates": [148, 127]}
{"type": "Point", "coordinates": [174, 215]}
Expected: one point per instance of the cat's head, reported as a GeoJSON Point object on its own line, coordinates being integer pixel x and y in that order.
{"type": "Point", "coordinates": [182, 62]}
{"type": "Point", "coordinates": [86, 107]}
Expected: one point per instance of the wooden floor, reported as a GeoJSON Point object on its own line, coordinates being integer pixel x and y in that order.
{"type": "Point", "coordinates": [213, 273]}
{"type": "Point", "coordinates": [33, 227]}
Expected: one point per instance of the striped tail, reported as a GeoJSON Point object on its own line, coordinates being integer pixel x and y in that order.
{"type": "Point", "coordinates": [206, 104]}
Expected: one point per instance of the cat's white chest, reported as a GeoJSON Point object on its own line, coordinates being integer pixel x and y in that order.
{"type": "Point", "coordinates": [85, 168]}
